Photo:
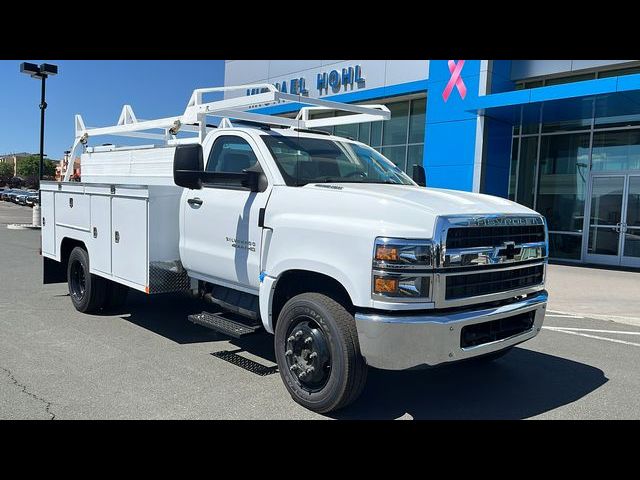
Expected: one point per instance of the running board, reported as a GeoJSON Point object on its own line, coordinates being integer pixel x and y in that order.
{"type": "Point", "coordinates": [220, 322]}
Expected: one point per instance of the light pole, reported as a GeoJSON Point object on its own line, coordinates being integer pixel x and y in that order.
{"type": "Point", "coordinates": [41, 71]}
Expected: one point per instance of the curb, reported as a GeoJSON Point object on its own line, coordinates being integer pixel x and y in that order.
{"type": "Point", "coordinates": [23, 226]}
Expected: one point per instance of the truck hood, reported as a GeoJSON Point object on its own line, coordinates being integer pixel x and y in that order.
{"type": "Point", "coordinates": [365, 211]}
{"type": "Point", "coordinates": [435, 201]}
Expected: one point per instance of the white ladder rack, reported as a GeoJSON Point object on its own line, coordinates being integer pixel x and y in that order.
{"type": "Point", "coordinates": [193, 119]}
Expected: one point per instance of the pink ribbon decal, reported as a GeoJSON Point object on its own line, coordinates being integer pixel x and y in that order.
{"type": "Point", "coordinates": [455, 69]}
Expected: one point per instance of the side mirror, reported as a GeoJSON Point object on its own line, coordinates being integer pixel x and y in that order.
{"type": "Point", "coordinates": [188, 166]}
{"type": "Point", "coordinates": [255, 179]}
{"type": "Point", "coordinates": [419, 175]}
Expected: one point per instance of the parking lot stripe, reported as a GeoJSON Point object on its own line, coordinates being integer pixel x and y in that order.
{"type": "Point", "coordinates": [562, 315]}
{"type": "Point", "coordinates": [593, 336]}
{"type": "Point", "coordinates": [593, 330]}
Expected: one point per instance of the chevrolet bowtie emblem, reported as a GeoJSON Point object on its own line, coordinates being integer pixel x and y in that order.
{"type": "Point", "coordinates": [508, 250]}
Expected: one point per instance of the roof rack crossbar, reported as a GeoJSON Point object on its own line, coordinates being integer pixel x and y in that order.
{"type": "Point", "coordinates": [230, 108]}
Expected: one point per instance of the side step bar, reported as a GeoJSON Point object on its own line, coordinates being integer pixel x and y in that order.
{"type": "Point", "coordinates": [220, 322]}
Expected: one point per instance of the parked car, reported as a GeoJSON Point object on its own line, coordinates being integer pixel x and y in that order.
{"type": "Point", "coordinates": [32, 199]}
{"type": "Point", "coordinates": [5, 193]}
{"type": "Point", "coordinates": [14, 195]}
{"type": "Point", "coordinates": [21, 199]}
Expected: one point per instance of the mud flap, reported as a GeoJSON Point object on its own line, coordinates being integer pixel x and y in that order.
{"type": "Point", "coordinates": [53, 272]}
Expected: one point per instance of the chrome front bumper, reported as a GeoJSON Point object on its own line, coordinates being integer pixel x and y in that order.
{"type": "Point", "coordinates": [399, 342]}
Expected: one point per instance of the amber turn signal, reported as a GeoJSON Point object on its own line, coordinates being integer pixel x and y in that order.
{"type": "Point", "coordinates": [385, 285]}
{"type": "Point", "coordinates": [386, 254]}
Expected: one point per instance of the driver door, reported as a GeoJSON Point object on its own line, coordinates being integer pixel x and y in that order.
{"type": "Point", "coordinates": [221, 240]}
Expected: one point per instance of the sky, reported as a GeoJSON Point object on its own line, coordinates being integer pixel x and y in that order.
{"type": "Point", "coordinates": [96, 89]}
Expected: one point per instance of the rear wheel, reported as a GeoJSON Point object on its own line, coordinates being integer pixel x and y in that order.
{"type": "Point", "coordinates": [318, 353]}
{"type": "Point", "coordinates": [87, 291]}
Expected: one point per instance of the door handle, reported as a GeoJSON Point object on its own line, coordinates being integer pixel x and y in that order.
{"type": "Point", "coordinates": [195, 201]}
{"type": "Point", "coordinates": [616, 228]}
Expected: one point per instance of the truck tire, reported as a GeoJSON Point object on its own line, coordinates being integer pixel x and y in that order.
{"type": "Point", "coordinates": [87, 291]}
{"type": "Point", "coordinates": [318, 353]}
{"type": "Point", "coordinates": [116, 295]}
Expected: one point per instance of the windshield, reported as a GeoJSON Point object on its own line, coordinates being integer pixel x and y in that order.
{"type": "Point", "coordinates": [303, 160]}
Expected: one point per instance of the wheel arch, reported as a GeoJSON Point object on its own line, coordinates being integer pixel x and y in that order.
{"type": "Point", "coordinates": [290, 283]}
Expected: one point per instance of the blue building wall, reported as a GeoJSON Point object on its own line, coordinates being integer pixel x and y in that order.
{"type": "Point", "coordinates": [450, 130]}
{"type": "Point", "coordinates": [498, 136]}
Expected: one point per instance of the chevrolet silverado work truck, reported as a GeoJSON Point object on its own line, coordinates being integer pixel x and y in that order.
{"type": "Point", "coordinates": [316, 239]}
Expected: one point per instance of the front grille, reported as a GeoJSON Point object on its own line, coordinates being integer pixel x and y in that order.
{"type": "Point", "coordinates": [473, 284]}
{"type": "Point", "coordinates": [493, 236]}
{"type": "Point", "coordinates": [487, 332]}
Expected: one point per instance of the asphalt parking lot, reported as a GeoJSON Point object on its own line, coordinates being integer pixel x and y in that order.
{"type": "Point", "coordinates": [148, 362]}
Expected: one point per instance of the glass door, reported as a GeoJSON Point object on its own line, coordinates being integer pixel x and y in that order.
{"type": "Point", "coordinates": [631, 226]}
{"type": "Point", "coordinates": [605, 219]}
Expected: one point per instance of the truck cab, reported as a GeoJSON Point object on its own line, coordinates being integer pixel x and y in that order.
{"type": "Point", "coordinates": [321, 241]}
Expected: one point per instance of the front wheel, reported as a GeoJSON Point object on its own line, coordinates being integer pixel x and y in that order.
{"type": "Point", "coordinates": [318, 353]}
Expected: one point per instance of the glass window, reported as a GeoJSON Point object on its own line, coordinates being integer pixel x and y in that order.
{"type": "Point", "coordinates": [564, 167]}
{"type": "Point", "coordinates": [632, 236]}
{"type": "Point", "coordinates": [417, 120]}
{"type": "Point", "coordinates": [570, 79]}
{"type": "Point", "coordinates": [394, 131]}
{"type": "Point", "coordinates": [323, 115]}
{"type": "Point", "coordinates": [527, 171]}
{"type": "Point", "coordinates": [619, 72]}
{"type": "Point", "coordinates": [376, 134]}
{"type": "Point", "coordinates": [347, 131]}
{"type": "Point", "coordinates": [618, 121]}
{"type": "Point", "coordinates": [566, 125]}
{"type": "Point", "coordinates": [303, 160]}
{"type": "Point", "coordinates": [415, 156]}
{"type": "Point", "coordinates": [565, 245]}
{"type": "Point", "coordinates": [398, 155]}
{"type": "Point", "coordinates": [230, 154]}
{"type": "Point", "coordinates": [364, 133]}
{"type": "Point", "coordinates": [513, 170]}
{"type": "Point", "coordinates": [616, 151]}
{"type": "Point", "coordinates": [529, 128]}
{"type": "Point", "coordinates": [533, 84]}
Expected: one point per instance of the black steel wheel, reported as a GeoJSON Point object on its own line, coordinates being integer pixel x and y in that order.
{"type": "Point", "coordinates": [77, 280]}
{"type": "Point", "coordinates": [87, 291]}
{"type": "Point", "coordinates": [318, 353]}
{"type": "Point", "coordinates": [308, 354]}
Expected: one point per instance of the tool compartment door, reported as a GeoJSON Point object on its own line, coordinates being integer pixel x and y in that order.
{"type": "Point", "coordinates": [129, 239]}
{"type": "Point", "coordinates": [101, 233]}
{"type": "Point", "coordinates": [48, 223]}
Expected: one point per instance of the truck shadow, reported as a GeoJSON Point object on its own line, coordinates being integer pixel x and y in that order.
{"type": "Point", "coordinates": [166, 315]}
{"type": "Point", "coordinates": [522, 384]}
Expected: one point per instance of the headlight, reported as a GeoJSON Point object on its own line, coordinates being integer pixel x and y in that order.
{"type": "Point", "coordinates": [402, 269]}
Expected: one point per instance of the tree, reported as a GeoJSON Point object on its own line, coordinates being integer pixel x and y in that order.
{"type": "Point", "coordinates": [6, 172]}
{"type": "Point", "coordinates": [28, 168]}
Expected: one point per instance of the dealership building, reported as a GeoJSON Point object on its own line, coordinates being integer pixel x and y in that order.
{"type": "Point", "coordinates": [559, 136]}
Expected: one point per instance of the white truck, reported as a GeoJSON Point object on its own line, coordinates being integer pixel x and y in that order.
{"type": "Point", "coordinates": [317, 239]}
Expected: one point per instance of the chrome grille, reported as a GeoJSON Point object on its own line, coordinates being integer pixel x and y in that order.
{"type": "Point", "coordinates": [488, 258]}
{"type": "Point", "coordinates": [485, 283]}
{"type": "Point", "coordinates": [469, 237]}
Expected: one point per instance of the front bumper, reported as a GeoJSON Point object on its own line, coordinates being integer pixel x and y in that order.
{"type": "Point", "coordinates": [403, 341]}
